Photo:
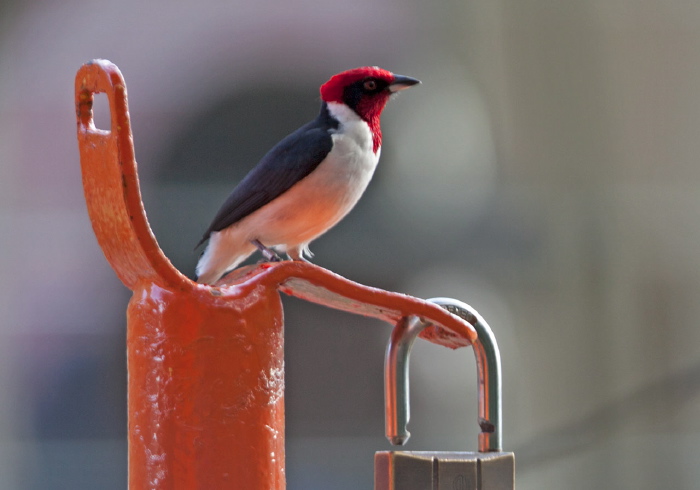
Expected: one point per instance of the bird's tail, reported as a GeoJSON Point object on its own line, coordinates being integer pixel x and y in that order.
{"type": "Point", "coordinates": [223, 253]}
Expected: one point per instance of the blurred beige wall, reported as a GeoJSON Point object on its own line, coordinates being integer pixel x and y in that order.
{"type": "Point", "coordinates": [545, 172]}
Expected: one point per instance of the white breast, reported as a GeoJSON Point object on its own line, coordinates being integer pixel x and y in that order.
{"type": "Point", "coordinates": [325, 196]}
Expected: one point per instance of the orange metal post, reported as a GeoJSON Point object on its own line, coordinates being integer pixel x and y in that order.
{"type": "Point", "coordinates": [206, 369]}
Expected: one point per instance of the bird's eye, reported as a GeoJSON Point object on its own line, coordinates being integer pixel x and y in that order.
{"type": "Point", "coordinates": [370, 85]}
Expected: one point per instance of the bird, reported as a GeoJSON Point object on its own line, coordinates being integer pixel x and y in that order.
{"type": "Point", "coordinates": [308, 181]}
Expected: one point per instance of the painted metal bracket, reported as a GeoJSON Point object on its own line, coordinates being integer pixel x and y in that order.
{"type": "Point", "coordinates": [206, 371]}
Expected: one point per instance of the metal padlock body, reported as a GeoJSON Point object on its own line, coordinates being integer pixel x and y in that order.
{"type": "Point", "coordinates": [443, 470]}
{"type": "Point", "coordinates": [488, 469]}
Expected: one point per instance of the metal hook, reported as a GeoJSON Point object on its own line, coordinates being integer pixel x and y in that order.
{"type": "Point", "coordinates": [488, 361]}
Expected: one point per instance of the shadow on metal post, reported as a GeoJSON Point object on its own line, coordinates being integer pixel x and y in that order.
{"type": "Point", "coordinates": [206, 372]}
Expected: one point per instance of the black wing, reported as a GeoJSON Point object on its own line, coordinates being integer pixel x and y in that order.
{"type": "Point", "coordinates": [289, 161]}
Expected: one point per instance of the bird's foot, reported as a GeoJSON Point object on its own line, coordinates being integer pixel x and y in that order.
{"type": "Point", "coordinates": [297, 253]}
{"type": "Point", "coordinates": [267, 252]}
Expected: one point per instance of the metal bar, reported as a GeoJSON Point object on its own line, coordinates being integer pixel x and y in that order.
{"type": "Point", "coordinates": [206, 365]}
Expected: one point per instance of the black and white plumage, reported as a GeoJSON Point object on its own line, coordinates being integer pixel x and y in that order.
{"type": "Point", "coordinates": [307, 182]}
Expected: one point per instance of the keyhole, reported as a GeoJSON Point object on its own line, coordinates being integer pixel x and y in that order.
{"type": "Point", "coordinates": [459, 483]}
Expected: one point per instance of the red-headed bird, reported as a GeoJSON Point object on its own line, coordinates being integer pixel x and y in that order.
{"type": "Point", "coordinates": [308, 181]}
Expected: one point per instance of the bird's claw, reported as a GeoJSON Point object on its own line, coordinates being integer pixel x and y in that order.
{"type": "Point", "coordinates": [267, 252]}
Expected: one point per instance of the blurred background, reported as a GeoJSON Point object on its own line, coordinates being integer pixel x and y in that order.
{"type": "Point", "coordinates": [545, 173]}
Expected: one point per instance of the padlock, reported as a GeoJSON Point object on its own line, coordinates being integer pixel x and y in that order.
{"type": "Point", "coordinates": [488, 469]}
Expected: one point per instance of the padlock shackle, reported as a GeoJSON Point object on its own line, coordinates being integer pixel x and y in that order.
{"type": "Point", "coordinates": [488, 363]}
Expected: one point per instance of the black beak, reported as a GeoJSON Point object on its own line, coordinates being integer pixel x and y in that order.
{"type": "Point", "coordinates": [401, 83]}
